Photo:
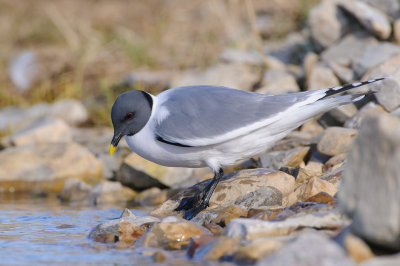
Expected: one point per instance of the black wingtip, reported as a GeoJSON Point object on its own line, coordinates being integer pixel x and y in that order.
{"type": "Point", "coordinates": [339, 89]}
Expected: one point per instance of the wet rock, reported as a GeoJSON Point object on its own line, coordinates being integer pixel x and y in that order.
{"type": "Point", "coordinates": [372, 19]}
{"type": "Point", "coordinates": [277, 159]}
{"type": "Point", "coordinates": [111, 228]}
{"type": "Point", "coordinates": [198, 241]}
{"type": "Point", "coordinates": [46, 167]}
{"type": "Point", "coordinates": [335, 160]}
{"type": "Point", "coordinates": [174, 233]}
{"type": "Point", "coordinates": [322, 197]}
{"type": "Point", "coordinates": [320, 251]}
{"type": "Point", "coordinates": [327, 23]}
{"type": "Point", "coordinates": [251, 58]}
{"type": "Point", "coordinates": [253, 250]}
{"type": "Point", "coordinates": [322, 77]}
{"type": "Point", "coordinates": [238, 76]}
{"type": "Point", "coordinates": [313, 187]}
{"type": "Point", "coordinates": [336, 140]}
{"type": "Point", "coordinates": [369, 109]}
{"type": "Point", "coordinates": [71, 111]}
{"type": "Point", "coordinates": [232, 186]}
{"type": "Point", "coordinates": [41, 131]}
{"type": "Point", "coordinates": [129, 232]}
{"type": "Point", "coordinates": [277, 82]}
{"type": "Point", "coordinates": [217, 248]}
{"type": "Point", "coordinates": [246, 229]}
{"type": "Point", "coordinates": [139, 173]}
{"type": "Point", "coordinates": [266, 196]}
{"type": "Point", "coordinates": [229, 213]}
{"type": "Point", "coordinates": [155, 198]}
{"type": "Point", "coordinates": [371, 171]}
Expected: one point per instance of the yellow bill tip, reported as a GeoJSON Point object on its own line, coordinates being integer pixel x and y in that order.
{"type": "Point", "coordinates": [112, 149]}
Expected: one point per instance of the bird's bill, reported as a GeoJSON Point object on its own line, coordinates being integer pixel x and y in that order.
{"type": "Point", "coordinates": [114, 143]}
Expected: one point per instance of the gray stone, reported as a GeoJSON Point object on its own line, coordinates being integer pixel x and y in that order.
{"type": "Point", "coordinates": [336, 140]}
{"type": "Point", "coordinates": [388, 260]}
{"type": "Point", "coordinates": [71, 111]}
{"type": "Point", "coordinates": [246, 229]}
{"type": "Point", "coordinates": [348, 49]}
{"type": "Point", "coordinates": [372, 173]}
{"type": "Point", "coordinates": [343, 113]}
{"type": "Point", "coordinates": [367, 110]}
{"type": "Point", "coordinates": [389, 7]}
{"type": "Point", "coordinates": [148, 80]}
{"type": "Point", "coordinates": [278, 82]}
{"type": "Point", "coordinates": [388, 94]}
{"type": "Point", "coordinates": [309, 248]}
{"type": "Point", "coordinates": [322, 77]}
{"type": "Point", "coordinates": [238, 76]}
{"type": "Point", "coordinates": [251, 58]}
{"type": "Point", "coordinates": [373, 55]}
{"type": "Point", "coordinates": [371, 18]}
{"type": "Point", "coordinates": [345, 74]}
{"type": "Point", "coordinates": [277, 159]}
{"type": "Point", "coordinates": [327, 23]}
{"type": "Point", "coordinates": [266, 196]}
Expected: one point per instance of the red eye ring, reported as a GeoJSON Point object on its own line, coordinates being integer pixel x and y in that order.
{"type": "Point", "coordinates": [129, 116]}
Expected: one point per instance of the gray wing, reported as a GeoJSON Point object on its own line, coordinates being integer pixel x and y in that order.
{"type": "Point", "coordinates": [206, 115]}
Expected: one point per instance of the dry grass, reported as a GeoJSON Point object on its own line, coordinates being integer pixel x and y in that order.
{"type": "Point", "coordinates": [85, 47]}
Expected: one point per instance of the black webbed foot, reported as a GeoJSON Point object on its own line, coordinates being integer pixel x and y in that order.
{"type": "Point", "coordinates": [195, 204]}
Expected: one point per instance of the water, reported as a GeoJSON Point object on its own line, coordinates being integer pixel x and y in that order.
{"type": "Point", "coordinates": [42, 231]}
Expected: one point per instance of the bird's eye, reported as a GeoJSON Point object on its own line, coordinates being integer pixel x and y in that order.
{"type": "Point", "coordinates": [128, 116]}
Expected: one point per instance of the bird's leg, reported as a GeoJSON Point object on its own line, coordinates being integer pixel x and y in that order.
{"type": "Point", "coordinates": [193, 205]}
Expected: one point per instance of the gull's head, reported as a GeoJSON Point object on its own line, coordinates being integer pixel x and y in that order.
{"type": "Point", "coordinates": [129, 114]}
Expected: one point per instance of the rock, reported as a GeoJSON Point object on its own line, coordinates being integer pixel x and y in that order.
{"type": "Point", "coordinates": [71, 111]}
{"type": "Point", "coordinates": [139, 173]}
{"type": "Point", "coordinates": [315, 186]}
{"type": "Point", "coordinates": [336, 140]}
{"type": "Point", "coordinates": [111, 228]}
{"type": "Point", "coordinates": [373, 55]}
{"type": "Point", "coordinates": [389, 7]}
{"type": "Point", "coordinates": [232, 186]}
{"type": "Point", "coordinates": [246, 229]}
{"type": "Point", "coordinates": [356, 248]}
{"type": "Point", "coordinates": [266, 196]}
{"type": "Point", "coordinates": [371, 171]}
{"type": "Point", "coordinates": [322, 77]}
{"type": "Point", "coordinates": [277, 82]}
{"type": "Point", "coordinates": [344, 73]}
{"type": "Point", "coordinates": [335, 160]}
{"type": "Point", "coordinates": [310, 62]}
{"type": "Point", "coordinates": [76, 190]}
{"type": "Point", "coordinates": [388, 94]}
{"type": "Point", "coordinates": [342, 113]}
{"type": "Point", "coordinates": [396, 30]}
{"type": "Point", "coordinates": [238, 76]}
{"type": "Point", "coordinates": [129, 232]}
{"type": "Point", "coordinates": [154, 81]}
{"type": "Point", "coordinates": [367, 110]}
{"type": "Point", "coordinates": [217, 248]}
{"type": "Point", "coordinates": [320, 251]}
{"type": "Point", "coordinates": [348, 49]}
{"type": "Point", "coordinates": [111, 192]}
{"type": "Point", "coordinates": [234, 56]}
{"type": "Point", "coordinates": [322, 197]}
{"type": "Point", "coordinates": [46, 167]}
{"type": "Point", "coordinates": [327, 23]}
{"type": "Point", "coordinates": [198, 241]}
{"type": "Point", "coordinates": [45, 130]}
{"type": "Point", "coordinates": [154, 199]}
{"type": "Point", "coordinates": [227, 214]}
{"type": "Point", "coordinates": [277, 159]}
{"type": "Point", "coordinates": [389, 260]}
{"type": "Point", "coordinates": [372, 19]}
{"type": "Point", "coordinates": [253, 250]}
{"type": "Point", "coordinates": [176, 233]}
{"type": "Point", "coordinates": [23, 70]}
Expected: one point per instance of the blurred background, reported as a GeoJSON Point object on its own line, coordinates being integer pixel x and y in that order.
{"type": "Point", "coordinates": [90, 50]}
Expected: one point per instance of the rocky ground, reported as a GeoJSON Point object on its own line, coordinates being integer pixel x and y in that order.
{"type": "Point", "coordinates": [328, 194]}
